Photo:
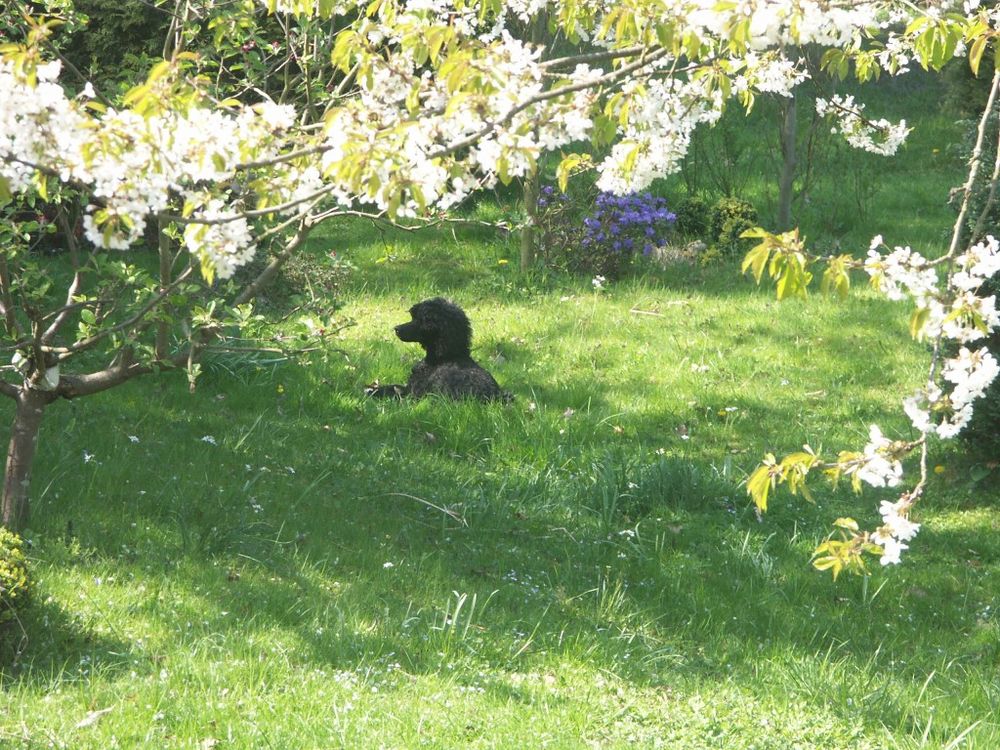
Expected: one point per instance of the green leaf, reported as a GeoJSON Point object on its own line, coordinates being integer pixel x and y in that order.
{"type": "Point", "coordinates": [760, 482]}
{"type": "Point", "coordinates": [831, 563]}
{"type": "Point", "coordinates": [207, 268]}
{"type": "Point", "coordinates": [918, 320]}
{"type": "Point", "coordinates": [756, 260]}
{"type": "Point", "coordinates": [628, 163]}
{"type": "Point", "coordinates": [916, 24]}
{"type": "Point", "coordinates": [976, 53]}
{"type": "Point", "coordinates": [343, 50]}
{"type": "Point", "coordinates": [503, 170]}
{"type": "Point", "coordinates": [846, 523]}
{"type": "Point", "coordinates": [158, 71]}
{"type": "Point", "coordinates": [604, 130]}
{"type": "Point", "coordinates": [565, 169]}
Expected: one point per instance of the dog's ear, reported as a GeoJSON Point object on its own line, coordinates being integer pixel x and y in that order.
{"type": "Point", "coordinates": [455, 331]}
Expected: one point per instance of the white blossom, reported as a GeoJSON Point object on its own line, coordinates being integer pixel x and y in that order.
{"type": "Point", "coordinates": [879, 468]}
{"type": "Point", "coordinates": [876, 136]}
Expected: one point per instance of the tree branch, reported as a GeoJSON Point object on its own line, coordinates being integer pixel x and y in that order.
{"type": "Point", "coordinates": [270, 271]}
{"type": "Point", "coordinates": [78, 346]}
{"type": "Point", "coordinates": [654, 55]}
{"type": "Point", "coordinates": [74, 286]}
{"type": "Point", "coordinates": [7, 301]}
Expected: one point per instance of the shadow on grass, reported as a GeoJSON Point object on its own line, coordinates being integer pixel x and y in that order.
{"type": "Point", "coordinates": [50, 644]}
{"type": "Point", "coordinates": [358, 570]}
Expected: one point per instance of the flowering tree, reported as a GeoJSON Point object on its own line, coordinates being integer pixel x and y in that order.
{"type": "Point", "coordinates": [412, 106]}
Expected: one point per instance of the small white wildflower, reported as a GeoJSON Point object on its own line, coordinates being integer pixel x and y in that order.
{"type": "Point", "coordinates": [133, 438]}
{"type": "Point", "coordinates": [388, 564]}
{"type": "Point", "coordinates": [598, 282]}
{"type": "Point", "coordinates": [208, 439]}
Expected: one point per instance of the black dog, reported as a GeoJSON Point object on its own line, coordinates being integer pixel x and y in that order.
{"type": "Point", "coordinates": [444, 331]}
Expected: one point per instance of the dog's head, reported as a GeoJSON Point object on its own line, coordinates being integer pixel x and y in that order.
{"type": "Point", "coordinates": [440, 327]}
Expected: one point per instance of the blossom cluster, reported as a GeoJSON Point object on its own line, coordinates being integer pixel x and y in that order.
{"type": "Point", "coordinates": [876, 136]}
{"type": "Point", "coordinates": [408, 121]}
{"type": "Point", "coordinates": [950, 310]}
{"type": "Point", "coordinates": [663, 116]}
{"type": "Point", "coordinates": [769, 73]}
{"type": "Point", "coordinates": [133, 163]}
{"type": "Point", "coordinates": [405, 122]}
{"type": "Point", "coordinates": [896, 530]}
{"type": "Point", "coordinates": [225, 244]}
{"type": "Point", "coordinates": [879, 467]}
{"type": "Point", "coordinates": [955, 313]}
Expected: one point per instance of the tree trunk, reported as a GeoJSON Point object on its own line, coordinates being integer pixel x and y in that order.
{"type": "Point", "coordinates": [528, 231]}
{"type": "Point", "coordinates": [163, 328]}
{"type": "Point", "coordinates": [789, 128]}
{"type": "Point", "coordinates": [539, 35]}
{"type": "Point", "coordinates": [20, 456]}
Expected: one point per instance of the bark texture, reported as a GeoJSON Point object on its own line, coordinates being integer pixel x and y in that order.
{"type": "Point", "coordinates": [789, 162]}
{"type": "Point", "coordinates": [30, 406]}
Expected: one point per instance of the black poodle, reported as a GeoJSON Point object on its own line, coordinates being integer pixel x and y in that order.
{"type": "Point", "coordinates": [444, 331]}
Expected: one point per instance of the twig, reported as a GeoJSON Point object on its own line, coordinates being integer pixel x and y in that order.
{"type": "Point", "coordinates": [450, 513]}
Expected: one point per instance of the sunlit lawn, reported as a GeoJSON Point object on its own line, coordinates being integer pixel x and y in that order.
{"type": "Point", "coordinates": [275, 561]}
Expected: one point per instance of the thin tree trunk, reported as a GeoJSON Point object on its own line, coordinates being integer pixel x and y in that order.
{"type": "Point", "coordinates": [20, 456]}
{"type": "Point", "coordinates": [528, 231]}
{"type": "Point", "coordinates": [789, 128]}
{"type": "Point", "coordinates": [163, 328]}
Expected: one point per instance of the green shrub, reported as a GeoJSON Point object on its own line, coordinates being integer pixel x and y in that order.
{"type": "Point", "coordinates": [119, 43]}
{"type": "Point", "coordinates": [693, 216]}
{"type": "Point", "coordinates": [306, 279]}
{"type": "Point", "coordinates": [15, 584]}
{"type": "Point", "coordinates": [729, 218]}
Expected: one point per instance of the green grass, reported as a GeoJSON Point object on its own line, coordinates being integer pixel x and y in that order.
{"type": "Point", "coordinates": [578, 569]}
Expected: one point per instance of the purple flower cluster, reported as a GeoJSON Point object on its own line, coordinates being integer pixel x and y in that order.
{"type": "Point", "coordinates": [600, 233]}
{"type": "Point", "coordinates": [549, 197]}
{"type": "Point", "coordinates": [628, 223]}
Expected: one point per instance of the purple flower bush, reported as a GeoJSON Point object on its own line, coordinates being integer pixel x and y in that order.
{"type": "Point", "coordinates": [607, 239]}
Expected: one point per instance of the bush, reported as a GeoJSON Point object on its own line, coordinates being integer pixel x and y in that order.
{"type": "Point", "coordinates": [693, 216]}
{"type": "Point", "coordinates": [305, 280]}
{"type": "Point", "coordinates": [729, 218]}
{"type": "Point", "coordinates": [119, 43]}
{"type": "Point", "coordinates": [608, 238]}
{"type": "Point", "coordinates": [15, 584]}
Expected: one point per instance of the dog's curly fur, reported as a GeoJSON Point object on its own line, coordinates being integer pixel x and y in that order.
{"type": "Point", "coordinates": [444, 331]}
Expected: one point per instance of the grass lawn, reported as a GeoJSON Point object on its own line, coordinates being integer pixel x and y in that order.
{"type": "Point", "coordinates": [274, 561]}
